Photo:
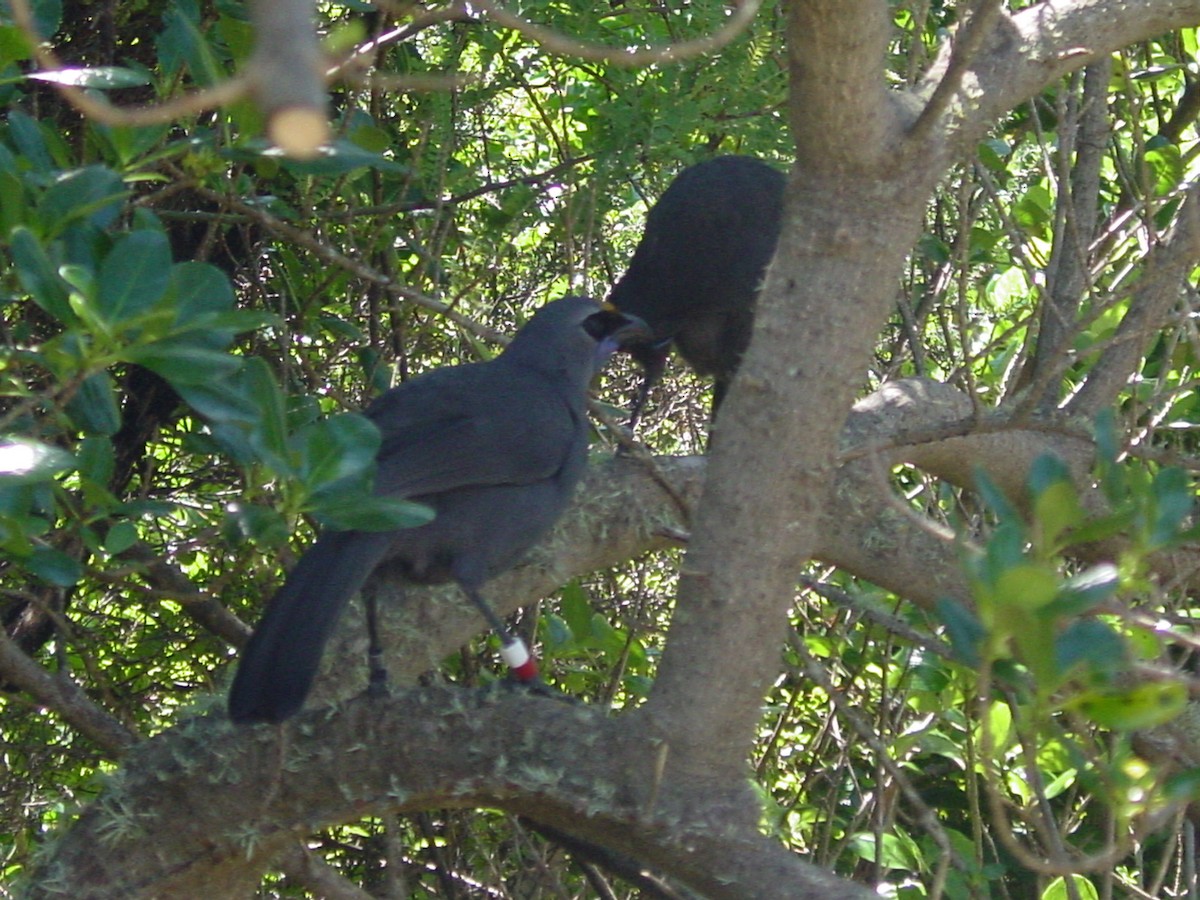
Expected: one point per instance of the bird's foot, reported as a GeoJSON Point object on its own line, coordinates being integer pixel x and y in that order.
{"type": "Point", "coordinates": [377, 682]}
{"type": "Point", "coordinates": [542, 689]}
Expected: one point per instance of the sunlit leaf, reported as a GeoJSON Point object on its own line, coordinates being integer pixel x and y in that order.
{"type": "Point", "coordinates": [24, 460]}
{"type": "Point", "coordinates": [96, 77]}
{"type": "Point", "coordinates": [1140, 706]}
{"type": "Point", "coordinates": [1028, 586]}
{"type": "Point", "coordinates": [1058, 889]}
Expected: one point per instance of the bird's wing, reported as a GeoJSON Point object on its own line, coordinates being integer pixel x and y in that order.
{"type": "Point", "coordinates": [480, 424]}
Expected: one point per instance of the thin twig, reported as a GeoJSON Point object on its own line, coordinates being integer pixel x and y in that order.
{"type": "Point", "coordinates": [967, 40]}
{"type": "Point", "coordinates": [556, 42]}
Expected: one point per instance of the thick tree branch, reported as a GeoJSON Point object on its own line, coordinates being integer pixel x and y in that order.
{"type": "Point", "coordinates": [842, 116]}
{"type": "Point", "coordinates": [826, 296]}
{"type": "Point", "coordinates": [187, 793]}
{"type": "Point", "coordinates": [1031, 48]}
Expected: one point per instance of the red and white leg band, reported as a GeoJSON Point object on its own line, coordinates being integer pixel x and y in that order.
{"type": "Point", "coordinates": [518, 658]}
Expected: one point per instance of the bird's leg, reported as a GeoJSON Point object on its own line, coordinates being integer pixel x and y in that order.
{"type": "Point", "coordinates": [377, 681]}
{"type": "Point", "coordinates": [512, 649]}
{"type": "Point", "coordinates": [639, 403]}
{"type": "Point", "coordinates": [654, 363]}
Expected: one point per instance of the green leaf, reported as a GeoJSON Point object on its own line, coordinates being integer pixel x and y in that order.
{"type": "Point", "coordinates": [1055, 502]}
{"type": "Point", "coordinates": [1005, 549]}
{"type": "Point", "coordinates": [261, 524]}
{"type": "Point", "coordinates": [96, 458]}
{"type": "Point", "coordinates": [14, 205]}
{"type": "Point", "coordinates": [129, 143]}
{"type": "Point", "coordinates": [890, 851]}
{"type": "Point", "coordinates": [182, 42]}
{"type": "Point", "coordinates": [39, 277]}
{"type": "Point", "coordinates": [555, 634]}
{"type": "Point", "coordinates": [121, 536]}
{"type": "Point", "coordinates": [1027, 586]}
{"type": "Point", "coordinates": [182, 361]}
{"type": "Point", "coordinates": [1104, 527]}
{"type": "Point", "coordinates": [1166, 166]}
{"type": "Point", "coordinates": [55, 567]}
{"type": "Point", "coordinates": [94, 193]}
{"type": "Point", "coordinates": [1141, 706]}
{"type": "Point", "coordinates": [576, 610]}
{"type": "Point", "coordinates": [999, 724]}
{"type": "Point", "coordinates": [47, 16]}
{"type": "Point", "coordinates": [30, 142]}
{"type": "Point", "coordinates": [1092, 643]}
{"type": "Point", "coordinates": [372, 513]}
{"type": "Point", "coordinates": [133, 276]}
{"type": "Point", "coordinates": [238, 35]}
{"type": "Point", "coordinates": [1086, 590]}
{"type": "Point", "coordinates": [335, 449]}
{"type": "Point", "coordinates": [1108, 449]}
{"type": "Point", "coordinates": [1058, 889]}
{"type": "Point", "coordinates": [1183, 786]}
{"type": "Point", "coordinates": [1033, 644]}
{"type": "Point", "coordinates": [268, 434]}
{"type": "Point", "coordinates": [1056, 510]}
{"type": "Point", "coordinates": [1172, 505]}
{"type": "Point", "coordinates": [994, 497]}
{"type": "Point", "coordinates": [1033, 211]}
{"type": "Point", "coordinates": [93, 409]}
{"type": "Point", "coordinates": [222, 400]}
{"type": "Point", "coordinates": [963, 629]}
{"type": "Point", "coordinates": [993, 153]}
{"type": "Point", "coordinates": [1009, 289]}
{"type": "Point", "coordinates": [14, 47]}
{"type": "Point", "coordinates": [197, 290]}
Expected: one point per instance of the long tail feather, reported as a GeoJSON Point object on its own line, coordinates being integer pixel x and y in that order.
{"type": "Point", "coordinates": [281, 660]}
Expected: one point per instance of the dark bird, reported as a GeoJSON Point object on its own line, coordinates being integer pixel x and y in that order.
{"type": "Point", "coordinates": [695, 275]}
{"type": "Point", "coordinates": [495, 448]}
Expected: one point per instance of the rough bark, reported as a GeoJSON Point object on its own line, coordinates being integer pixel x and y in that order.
{"type": "Point", "coordinates": [201, 810]}
{"type": "Point", "coordinates": [204, 808]}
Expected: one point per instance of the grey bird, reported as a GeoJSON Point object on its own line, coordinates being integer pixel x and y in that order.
{"type": "Point", "coordinates": [495, 448]}
{"type": "Point", "coordinates": [696, 272]}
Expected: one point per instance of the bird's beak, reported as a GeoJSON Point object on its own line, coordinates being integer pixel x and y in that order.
{"type": "Point", "coordinates": [625, 330]}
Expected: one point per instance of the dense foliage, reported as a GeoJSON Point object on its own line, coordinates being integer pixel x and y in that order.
{"type": "Point", "coordinates": [190, 320]}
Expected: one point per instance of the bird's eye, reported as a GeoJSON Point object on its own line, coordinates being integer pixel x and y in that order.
{"type": "Point", "coordinates": [602, 324]}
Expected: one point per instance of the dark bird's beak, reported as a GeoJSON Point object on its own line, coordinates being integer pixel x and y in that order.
{"type": "Point", "coordinates": [619, 330]}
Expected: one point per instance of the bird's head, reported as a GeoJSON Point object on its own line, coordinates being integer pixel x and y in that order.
{"type": "Point", "coordinates": [615, 330]}
{"type": "Point", "coordinates": [575, 335]}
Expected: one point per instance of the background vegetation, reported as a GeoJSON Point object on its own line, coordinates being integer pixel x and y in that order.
{"type": "Point", "coordinates": [185, 311]}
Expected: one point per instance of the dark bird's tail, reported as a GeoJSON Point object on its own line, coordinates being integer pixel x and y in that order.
{"type": "Point", "coordinates": [280, 661]}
